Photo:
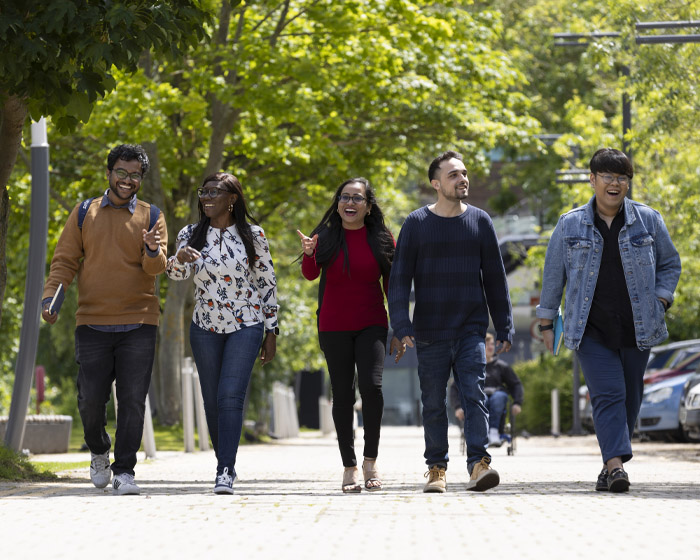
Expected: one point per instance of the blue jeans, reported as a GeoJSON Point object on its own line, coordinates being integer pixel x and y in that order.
{"type": "Point", "coordinates": [105, 357]}
{"type": "Point", "coordinates": [224, 363]}
{"type": "Point", "coordinates": [466, 358]}
{"type": "Point", "coordinates": [615, 380]}
{"type": "Point", "coordinates": [496, 404]}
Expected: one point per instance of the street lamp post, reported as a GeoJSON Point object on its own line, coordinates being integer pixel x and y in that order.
{"type": "Point", "coordinates": [34, 285]}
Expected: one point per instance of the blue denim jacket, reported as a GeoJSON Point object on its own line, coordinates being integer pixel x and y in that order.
{"type": "Point", "coordinates": [649, 259]}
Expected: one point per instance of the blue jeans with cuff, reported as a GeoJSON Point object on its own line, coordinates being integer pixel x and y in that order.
{"type": "Point", "coordinates": [466, 358]}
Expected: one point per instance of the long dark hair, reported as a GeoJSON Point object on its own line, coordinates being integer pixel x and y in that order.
{"type": "Point", "coordinates": [240, 212]}
{"type": "Point", "coordinates": [331, 235]}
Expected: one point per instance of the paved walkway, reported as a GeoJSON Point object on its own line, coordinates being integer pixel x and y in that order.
{"type": "Point", "coordinates": [288, 505]}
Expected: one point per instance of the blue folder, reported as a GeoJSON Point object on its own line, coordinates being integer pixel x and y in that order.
{"type": "Point", "coordinates": [558, 334]}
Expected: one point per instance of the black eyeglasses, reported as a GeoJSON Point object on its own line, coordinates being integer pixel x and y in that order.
{"type": "Point", "coordinates": [622, 180]}
{"type": "Point", "coordinates": [210, 193]}
{"type": "Point", "coordinates": [123, 174]}
{"type": "Point", "coordinates": [356, 198]}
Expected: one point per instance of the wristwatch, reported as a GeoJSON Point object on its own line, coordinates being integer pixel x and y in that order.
{"type": "Point", "coordinates": [275, 331]}
{"type": "Point", "coordinates": [545, 328]}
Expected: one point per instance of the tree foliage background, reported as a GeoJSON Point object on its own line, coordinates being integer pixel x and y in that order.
{"type": "Point", "coordinates": [295, 96]}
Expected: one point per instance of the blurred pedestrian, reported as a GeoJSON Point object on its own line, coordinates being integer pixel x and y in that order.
{"type": "Point", "coordinates": [352, 250]}
{"type": "Point", "coordinates": [449, 252]}
{"type": "Point", "coordinates": [111, 245]}
{"type": "Point", "coordinates": [501, 384]}
{"type": "Point", "coordinates": [620, 269]}
{"type": "Point", "coordinates": [235, 309]}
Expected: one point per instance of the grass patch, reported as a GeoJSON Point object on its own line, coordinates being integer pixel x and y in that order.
{"type": "Point", "coordinates": [14, 466]}
{"type": "Point", "coordinates": [59, 466]}
{"type": "Point", "coordinates": [168, 438]}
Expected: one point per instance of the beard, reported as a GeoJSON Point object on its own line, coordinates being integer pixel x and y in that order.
{"type": "Point", "coordinates": [119, 194]}
{"type": "Point", "coordinates": [456, 194]}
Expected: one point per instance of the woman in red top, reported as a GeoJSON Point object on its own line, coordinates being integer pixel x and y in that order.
{"type": "Point", "coordinates": [352, 250]}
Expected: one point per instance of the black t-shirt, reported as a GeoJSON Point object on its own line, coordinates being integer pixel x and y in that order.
{"type": "Point", "coordinates": [610, 320]}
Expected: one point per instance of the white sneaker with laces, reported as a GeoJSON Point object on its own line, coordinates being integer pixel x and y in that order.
{"type": "Point", "coordinates": [100, 473]}
{"type": "Point", "coordinates": [494, 438]}
{"type": "Point", "coordinates": [124, 485]}
{"type": "Point", "coordinates": [224, 483]}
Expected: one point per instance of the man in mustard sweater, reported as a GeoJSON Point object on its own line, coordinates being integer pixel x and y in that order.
{"type": "Point", "coordinates": [116, 256]}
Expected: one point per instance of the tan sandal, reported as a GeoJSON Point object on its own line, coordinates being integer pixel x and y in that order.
{"type": "Point", "coordinates": [351, 481]}
{"type": "Point", "coordinates": [372, 481]}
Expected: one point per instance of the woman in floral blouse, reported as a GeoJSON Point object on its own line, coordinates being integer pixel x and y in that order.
{"type": "Point", "coordinates": [235, 303]}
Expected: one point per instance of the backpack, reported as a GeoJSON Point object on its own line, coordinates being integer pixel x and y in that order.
{"type": "Point", "coordinates": [82, 211]}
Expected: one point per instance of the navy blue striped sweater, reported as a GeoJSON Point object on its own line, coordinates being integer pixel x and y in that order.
{"type": "Point", "coordinates": [458, 275]}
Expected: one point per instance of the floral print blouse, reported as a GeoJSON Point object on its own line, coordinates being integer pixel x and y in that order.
{"type": "Point", "coordinates": [228, 294]}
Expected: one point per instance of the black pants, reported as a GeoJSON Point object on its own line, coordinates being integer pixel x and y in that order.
{"type": "Point", "coordinates": [344, 350]}
{"type": "Point", "coordinates": [104, 357]}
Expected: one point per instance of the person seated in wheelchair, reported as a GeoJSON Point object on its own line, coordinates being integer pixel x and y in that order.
{"type": "Point", "coordinates": [501, 383]}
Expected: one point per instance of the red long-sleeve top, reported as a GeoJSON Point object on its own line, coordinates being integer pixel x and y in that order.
{"type": "Point", "coordinates": [353, 298]}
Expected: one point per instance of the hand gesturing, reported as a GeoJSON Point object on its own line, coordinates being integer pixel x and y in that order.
{"type": "Point", "coordinates": [308, 244]}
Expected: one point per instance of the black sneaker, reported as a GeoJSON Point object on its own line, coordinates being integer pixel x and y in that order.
{"type": "Point", "coordinates": [224, 483]}
{"type": "Point", "coordinates": [618, 481]}
{"type": "Point", "coordinates": [602, 483]}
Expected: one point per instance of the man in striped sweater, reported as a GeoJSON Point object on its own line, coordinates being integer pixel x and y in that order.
{"type": "Point", "coordinates": [449, 251]}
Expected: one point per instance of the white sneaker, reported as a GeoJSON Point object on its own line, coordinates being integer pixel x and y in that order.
{"type": "Point", "coordinates": [224, 483]}
{"type": "Point", "coordinates": [494, 438]}
{"type": "Point", "coordinates": [123, 485]}
{"type": "Point", "coordinates": [100, 473]}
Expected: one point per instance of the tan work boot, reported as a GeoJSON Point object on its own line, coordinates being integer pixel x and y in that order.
{"type": "Point", "coordinates": [483, 476]}
{"type": "Point", "coordinates": [436, 479]}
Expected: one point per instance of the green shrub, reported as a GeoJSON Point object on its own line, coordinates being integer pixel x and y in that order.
{"type": "Point", "coordinates": [15, 467]}
{"type": "Point", "coordinates": [539, 377]}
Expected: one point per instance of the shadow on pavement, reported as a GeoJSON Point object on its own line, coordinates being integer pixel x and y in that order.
{"type": "Point", "coordinates": [74, 487]}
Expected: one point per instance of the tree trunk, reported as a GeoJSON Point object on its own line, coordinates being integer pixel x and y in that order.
{"type": "Point", "coordinates": [12, 116]}
{"type": "Point", "coordinates": [170, 352]}
{"type": "Point", "coordinates": [166, 383]}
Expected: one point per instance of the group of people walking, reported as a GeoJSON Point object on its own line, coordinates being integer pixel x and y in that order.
{"type": "Point", "coordinates": [446, 255]}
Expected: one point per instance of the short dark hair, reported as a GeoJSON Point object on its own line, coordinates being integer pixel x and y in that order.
{"type": "Point", "coordinates": [435, 164]}
{"type": "Point", "coordinates": [128, 152]}
{"type": "Point", "coordinates": [612, 161]}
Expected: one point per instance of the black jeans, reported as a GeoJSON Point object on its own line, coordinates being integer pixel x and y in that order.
{"type": "Point", "coordinates": [104, 357]}
{"type": "Point", "coordinates": [344, 350]}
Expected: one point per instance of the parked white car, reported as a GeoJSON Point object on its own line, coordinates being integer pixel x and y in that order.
{"type": "Point", "coordinates": [689, 412]}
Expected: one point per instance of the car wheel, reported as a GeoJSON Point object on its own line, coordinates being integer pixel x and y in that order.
{"type": "Point", "coordinates": [687, 437]}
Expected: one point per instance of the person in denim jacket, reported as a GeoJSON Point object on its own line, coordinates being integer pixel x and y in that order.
{"type": "Point", "coordinates": [620, 269]}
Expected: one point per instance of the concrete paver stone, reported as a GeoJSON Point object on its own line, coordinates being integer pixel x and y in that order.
{"type": "Point", "coordinates": [288, 504]}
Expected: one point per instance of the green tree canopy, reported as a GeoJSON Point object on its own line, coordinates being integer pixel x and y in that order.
{"type": "Point", "coordinates": [294, 97]}
{"type": "Point", "coordinates": [57, 59]}
{"type": "Point", "coordinates": [577, 92]}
